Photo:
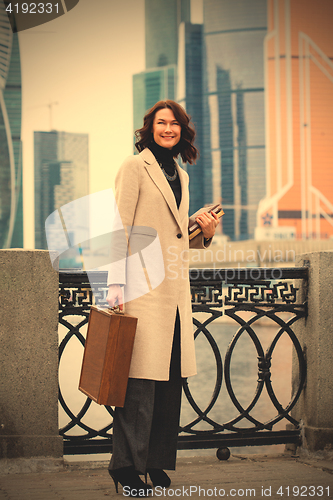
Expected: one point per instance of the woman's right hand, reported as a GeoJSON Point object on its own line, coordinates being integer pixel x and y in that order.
{"type": "Point", "coordinates": [115, 296]}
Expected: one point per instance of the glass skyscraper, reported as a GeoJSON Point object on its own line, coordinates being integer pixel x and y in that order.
{"type": "Point", "coordinates": [234, 32]}
{"type": "Point", "coordinates": [162, 20]}
{"type": "Point", "coordinates": [219, 71]}
{"type": "Point", "coordinates": [190, 96]}
{"type": "Point", "coordinates": [151, 86]}
{"type": "Point", "coordinates": [173, 71]}
{"type": "Point", "coordinates": [11, 207]}
{"type": "Point", "coordinates": [158, 81]}
{"type": "Point", "coordinates": [61, 174]}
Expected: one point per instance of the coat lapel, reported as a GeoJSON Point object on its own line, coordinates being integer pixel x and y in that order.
{"type": "Point", "coordinates": [157, 176]}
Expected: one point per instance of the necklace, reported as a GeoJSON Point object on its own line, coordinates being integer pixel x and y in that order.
{"type": "Point", "coordinates": [169, 177]}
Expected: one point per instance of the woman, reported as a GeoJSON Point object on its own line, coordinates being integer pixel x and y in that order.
{"type": "Point", "coordinates": [152, 193]}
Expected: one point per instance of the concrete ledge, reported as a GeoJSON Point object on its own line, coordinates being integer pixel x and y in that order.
{"type": "Point", "coordinates": [318, 439]}
{"type": "Point", "coordinates": [320, 460]}
{"type": "Point", "coordinates": [86, 464]}
{"type": "Point", "coordinates": [30, 465]}
{"type": "Point", "coordinates": [30, 446]}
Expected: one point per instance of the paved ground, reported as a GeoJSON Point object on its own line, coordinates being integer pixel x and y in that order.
{"type": "Point", "coordinates": [260, 476]}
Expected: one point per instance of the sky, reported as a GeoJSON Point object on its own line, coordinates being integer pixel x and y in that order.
{"type": "Point", "coordinates": [83, 61]}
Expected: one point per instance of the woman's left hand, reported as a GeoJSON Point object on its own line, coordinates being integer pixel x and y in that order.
{"type": "Point", "coordinates": [208, 222]}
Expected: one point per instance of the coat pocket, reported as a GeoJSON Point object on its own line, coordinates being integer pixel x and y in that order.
{"type": "Point", "coordinates": [145, 266]}
{"type": "Point", "coordinates": [140, 237]}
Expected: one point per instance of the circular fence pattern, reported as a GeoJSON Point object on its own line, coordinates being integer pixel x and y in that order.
{"type": "Point", "coordinates": [262, 298]}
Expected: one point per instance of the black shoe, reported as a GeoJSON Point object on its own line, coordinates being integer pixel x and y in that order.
{"type": "Point", "coordinates": [159, 478]}
{"type": "Point", "coordinates": [130, 480]}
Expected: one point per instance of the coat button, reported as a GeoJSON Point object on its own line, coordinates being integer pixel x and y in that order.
{"type": "Point", "coordinates": [179, 235]}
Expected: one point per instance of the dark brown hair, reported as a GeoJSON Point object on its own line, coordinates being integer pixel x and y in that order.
{"type": "Point", "coordinates": [185, 147]}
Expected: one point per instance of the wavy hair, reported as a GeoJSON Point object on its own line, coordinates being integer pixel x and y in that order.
{"type": "Point", "coordinates": [185, 147]}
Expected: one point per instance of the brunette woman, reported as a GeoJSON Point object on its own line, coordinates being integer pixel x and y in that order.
{"type": "Point", "coordinates": [152, 197]}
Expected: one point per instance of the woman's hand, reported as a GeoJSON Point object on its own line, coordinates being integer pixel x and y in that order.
{"type": "Point", "coordinates": [115, 296]}
{"type": "Point", "coordinates": [208, 222]}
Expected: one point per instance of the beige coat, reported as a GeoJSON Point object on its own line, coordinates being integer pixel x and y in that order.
{"type": "Point", "coordinates": [145, 198]}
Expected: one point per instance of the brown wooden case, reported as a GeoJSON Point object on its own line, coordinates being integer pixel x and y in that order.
{"type": "Point", "coordinates": [107, 356]}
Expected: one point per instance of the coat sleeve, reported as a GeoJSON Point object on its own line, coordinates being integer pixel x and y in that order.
{"type": "Point", "coordinates": [126, 196]}
{"type": "Point", "coordinates": [200, 242]}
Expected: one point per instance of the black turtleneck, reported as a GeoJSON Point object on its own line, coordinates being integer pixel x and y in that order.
{"type": "Point", "coordinates": [164, 156]}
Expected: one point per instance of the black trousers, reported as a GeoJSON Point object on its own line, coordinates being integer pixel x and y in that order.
{"type": "Point", "coordinates": [145, 431]}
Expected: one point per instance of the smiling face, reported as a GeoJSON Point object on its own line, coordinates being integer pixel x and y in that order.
{"type": "Point", "coordinates": [166, 129]}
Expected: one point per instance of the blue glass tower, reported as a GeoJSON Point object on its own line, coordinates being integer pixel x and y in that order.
{"type": "Point", "coordinates": [219, 75]}
{"type": "Point", "coordinates": [151, 86]}
{"type": "Point", "coordinates": [158, 81]}
{"type": "Point", "coordinates": [174, 59]}
{"type": "Point", "coordinates": [234, 109]}
{"type": "Point", "coordinates": [190, 96]}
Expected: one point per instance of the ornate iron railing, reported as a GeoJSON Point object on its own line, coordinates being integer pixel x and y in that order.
{"type": "Point", "coordinates": [247, 298]}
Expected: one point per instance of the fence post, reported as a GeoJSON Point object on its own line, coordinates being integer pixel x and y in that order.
{"type": "Point", "coordinates": [29, 435]}
{"type": "Point", "coordinates": [315, 406]}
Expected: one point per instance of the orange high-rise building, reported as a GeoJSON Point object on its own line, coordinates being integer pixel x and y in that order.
{"type": "Point", "coordinates": [299, 121]}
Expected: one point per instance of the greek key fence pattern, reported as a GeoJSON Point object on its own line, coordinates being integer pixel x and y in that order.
{"type": "Point", "coordinates": [238, 301]}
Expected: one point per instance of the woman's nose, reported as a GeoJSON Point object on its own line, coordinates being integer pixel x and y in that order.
{"type": "Point", "coordinates": [167, 127]}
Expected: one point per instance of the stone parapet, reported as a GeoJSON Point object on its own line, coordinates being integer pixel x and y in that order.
{"type": "Point", "coordinates": [28, 356]}
{"type": "Point", "coordinates": [315, 406]}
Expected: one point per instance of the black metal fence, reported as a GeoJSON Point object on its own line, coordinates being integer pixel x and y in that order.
{"type": "Point", "coordinates": [222, 299]}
